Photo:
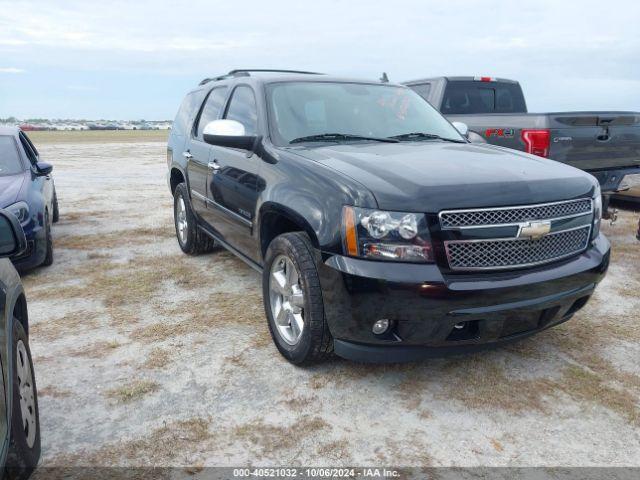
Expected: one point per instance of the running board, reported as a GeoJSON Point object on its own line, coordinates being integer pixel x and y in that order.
{"type": "Point", "coordinates": [237, 253]}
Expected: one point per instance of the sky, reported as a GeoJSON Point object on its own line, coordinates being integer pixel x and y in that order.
{"type": "Point", "coordinates": [126, 60]}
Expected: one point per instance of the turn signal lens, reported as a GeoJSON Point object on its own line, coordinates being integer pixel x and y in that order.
{"type": "Point", "coordinates": [597, 212]}
{"type": "Point", "coordinates": [349, 231]}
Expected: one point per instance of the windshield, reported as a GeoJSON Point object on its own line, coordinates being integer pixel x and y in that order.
{"type": "Point", "coordinates": [306, 109]}
{"type": "Point", "coordinates": [10, 163]}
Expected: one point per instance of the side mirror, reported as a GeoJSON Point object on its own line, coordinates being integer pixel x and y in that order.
{"type": "Point", "coordinates": [12, 239]}
{"type": "Point", "coordinates": [462, 128]}
{"type": "Point", "coordinates": [43, 168]}
{"type": "Point", "coordinates": [229, 133]}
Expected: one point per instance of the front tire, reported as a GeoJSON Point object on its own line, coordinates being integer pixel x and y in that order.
{"type": "Point", "coordinates": [24, 446]}
{"type": "Point", "coordinates": [293, 300]}
{"type": "Point", "coordinates": [56, 208]}
{"type": "Point", "coordinates": [48, 239]}
{"type": "Point", "coordinates": [191, 239]}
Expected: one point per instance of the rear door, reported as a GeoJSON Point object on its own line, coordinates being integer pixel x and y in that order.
{"type": "Point", "coordinates": [197, 152]}
{"type": "Point", "coordinates": [232, 182]}
{"type": "Point", "coordinates": [595, 140]}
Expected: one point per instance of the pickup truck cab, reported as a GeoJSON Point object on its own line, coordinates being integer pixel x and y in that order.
{"type": "Point", "coordinates": [381, 233]}
{"type": "Point", "coordinates": [605, 144]}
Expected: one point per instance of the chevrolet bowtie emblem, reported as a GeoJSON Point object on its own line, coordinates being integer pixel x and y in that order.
{"type": "Point", "coordinates": [534, 230]}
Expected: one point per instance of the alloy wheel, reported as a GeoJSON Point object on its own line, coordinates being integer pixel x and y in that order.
{"type": "Point", "coordinates": [181, 220]}
{"type": "Point", "coordinates": [286, 299]}
{"type": "Point", "coordinates": [27, 394]}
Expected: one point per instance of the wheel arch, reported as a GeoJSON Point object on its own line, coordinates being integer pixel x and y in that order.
{"type": "Point", "coordinates": [276, 219]}
{"type": "Point", "coordinates": [176, 177]}
{"type": "Point", "coordinates": [20, 311]}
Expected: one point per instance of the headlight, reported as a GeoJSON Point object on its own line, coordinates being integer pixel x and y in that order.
{"type": "Point", "coordinates": [381, 235]}
{"type": "Point", "coordinates": [597, 212]}
{"type": "Point", "coordinates": [20, 210]}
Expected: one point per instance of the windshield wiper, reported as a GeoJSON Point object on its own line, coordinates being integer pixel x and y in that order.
{"type": "Point", "coordinates": [337, 137]}
{"type": "Point", "coordinates": [422, 135]}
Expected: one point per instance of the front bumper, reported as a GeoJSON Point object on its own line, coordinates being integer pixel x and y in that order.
{"type": "Point", "coordinates": [424, 306]}
{"type": "Point", "coordinates": [36, 250]}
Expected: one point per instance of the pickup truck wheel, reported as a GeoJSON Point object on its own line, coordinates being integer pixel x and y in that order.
{"type": "Point", "coordinates": [190, 238]}
{"type": "Point", "coordinates": [24, 445]}
{"type": "Point", "coordinates": [293, 300]}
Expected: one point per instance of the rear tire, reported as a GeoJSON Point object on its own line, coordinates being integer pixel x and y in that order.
{"type": "Point", "coordinates": [284, 307]}
{"type": "Point", "coordinates": [24, 446]}
{"type": "Point", "coordinates": [48, 239]}
{"type": "Point", "coordinates": [191, 239]}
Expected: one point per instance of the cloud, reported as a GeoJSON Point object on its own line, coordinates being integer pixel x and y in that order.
{"type": "Point", "coordinates": [141, 51]}
{"type": "Point", "coordinates": [11, 70]}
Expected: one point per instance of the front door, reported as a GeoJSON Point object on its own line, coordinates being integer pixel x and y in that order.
{"type": "Point", "coordinates": [197, 152]}
{"type": "Point", "coordinates": [233, 179]}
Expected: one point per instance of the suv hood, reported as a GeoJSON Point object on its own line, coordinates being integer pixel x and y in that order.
{"type": "Point", "coordinates": [10, 188]}
{"type": "Point", "coordinates": [432, 176]}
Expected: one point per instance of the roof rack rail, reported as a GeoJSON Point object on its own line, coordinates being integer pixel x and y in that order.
{"type": "Point", "coordinates": [246, 72]}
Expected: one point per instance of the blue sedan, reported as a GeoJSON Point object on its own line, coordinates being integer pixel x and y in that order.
{"type": "Point", "coordinates": [27, 191]}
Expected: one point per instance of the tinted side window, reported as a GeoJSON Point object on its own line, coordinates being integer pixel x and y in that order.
{"type": "Point", "coordinates": [189, 105]}
{"type": "Point", "coordinates": [423, 90]}
{"type": "Point", "coordinates": [28, 149]}
{"type": "Point", "coordinates": [482, 97]}
{"type": "Point", "coordinates": [242, 108]}
{"type": "Point", "coordinates": [211, 110]}
{"type": "Point", "coordinates": [10, 163]}
{"type": "Point", "coordinates": [33, 147]}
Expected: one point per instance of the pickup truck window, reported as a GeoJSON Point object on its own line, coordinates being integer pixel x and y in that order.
{"type": "Point", "coordinates": [242, 108]}
{"type": "Point", "coordinates": [468, 97]}
{"type": "Point", "coordinates": [304, 109]}
{"type": "Point", "coordinates": [211, 110]}
{"type": "Point", "coordinates": [10, 163]}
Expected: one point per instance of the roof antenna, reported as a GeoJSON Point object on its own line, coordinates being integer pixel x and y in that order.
{"type": "Point", "coordinates": [384, 78]}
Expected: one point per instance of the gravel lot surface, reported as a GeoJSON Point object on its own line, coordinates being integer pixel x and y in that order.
{"type": "Point", "coordinates": [145, 356]}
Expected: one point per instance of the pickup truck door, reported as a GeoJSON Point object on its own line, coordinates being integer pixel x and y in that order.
{"type": "Point", "coordinates": [233, 179]}
{"type": "Point", "coordinates": [197, 152]}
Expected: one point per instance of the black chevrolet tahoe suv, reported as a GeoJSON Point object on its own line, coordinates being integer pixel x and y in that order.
{"type": "Point", "coordinates": [381, 233]}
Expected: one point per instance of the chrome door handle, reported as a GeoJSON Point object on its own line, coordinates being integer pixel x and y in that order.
{"type": "Point", "coordinates": [214, 166]}
{"type": "Point", "coordinates": [187, 155]}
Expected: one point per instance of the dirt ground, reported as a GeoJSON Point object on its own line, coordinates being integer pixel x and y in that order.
{"type": "Point", "coordinates": [145, 356]}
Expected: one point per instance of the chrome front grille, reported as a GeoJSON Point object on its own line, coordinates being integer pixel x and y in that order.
{"type": "Point", "coordinates": [516, 252]}
{"type": "Point", "coordinates": [516, 237]}
{"type": "Point", "coordinates": [456, 219]}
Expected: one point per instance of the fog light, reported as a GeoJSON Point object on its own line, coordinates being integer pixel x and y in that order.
{"type": "Point", "coordinates": [459, 326]}
{"type": "Point", "coordinates": [380, 326]}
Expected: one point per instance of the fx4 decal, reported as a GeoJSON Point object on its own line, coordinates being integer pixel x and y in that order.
{"type": "Point", "coordinates": [499, 132]}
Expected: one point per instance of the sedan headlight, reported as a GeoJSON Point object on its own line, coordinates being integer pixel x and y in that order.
{"type": "Point", "coordinates": [21, 211]}
{"type": "Point", "coordinates": [382, 235]}
{"type": "Point", "coordinates": [597, 212]}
